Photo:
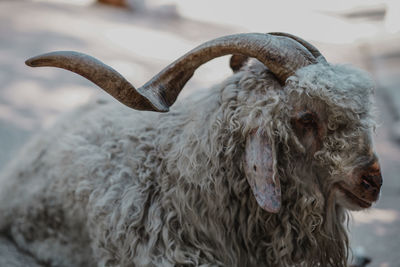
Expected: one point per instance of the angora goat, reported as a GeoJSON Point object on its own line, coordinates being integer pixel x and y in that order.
{"type": "Point", "coordinates": [257, 171]}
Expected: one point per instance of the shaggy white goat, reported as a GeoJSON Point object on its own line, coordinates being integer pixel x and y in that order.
{"type": "Point", "coordinates": [257, 171]}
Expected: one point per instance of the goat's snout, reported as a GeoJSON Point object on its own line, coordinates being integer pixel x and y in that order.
{"type": "Point", "coordinates": [365, 189]}
{"type": "Point", "coordinates": [371, 180]}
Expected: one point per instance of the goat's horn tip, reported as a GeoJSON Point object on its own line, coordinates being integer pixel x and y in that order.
{"type": "Point", "coordinates": [28, 62]}
{"type": "Point", "coordinates": [32, 62]}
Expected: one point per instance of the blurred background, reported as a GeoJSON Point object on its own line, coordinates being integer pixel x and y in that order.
{"type": "Point", "coordinates": [140, 37]}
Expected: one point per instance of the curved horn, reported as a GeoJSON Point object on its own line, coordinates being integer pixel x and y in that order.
{"type": "Point", "coordinates": [283, 56]}
{"type": "Point", "coordinates": [313, 50]}
{"type": "Point", "coordinates": [102, 75]}
{"type": "Point", "coordinates": [237, 61]}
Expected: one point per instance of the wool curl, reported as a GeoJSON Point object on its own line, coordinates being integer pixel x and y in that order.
{"type": "Point", "coordinates": [147, 189]}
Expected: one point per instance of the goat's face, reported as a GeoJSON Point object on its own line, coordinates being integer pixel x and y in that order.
{"type": "Point", "coordinates": [337, 145]}
{"type": "Point", "coordinates": [331, 119]}
{"type": "Point", "coordinates": [328, 123]}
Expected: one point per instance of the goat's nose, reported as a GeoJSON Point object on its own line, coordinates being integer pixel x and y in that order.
{"type": "Point", "coordinates": [374, 181]}
{"type": "Point", "coordinates": [371, 178]}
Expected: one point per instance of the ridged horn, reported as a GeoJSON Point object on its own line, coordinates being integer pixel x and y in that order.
{"type": "Point", "coordinates": [282, 55]}
{"type": "Point", "coordinates": [313, 50]}
{"type": "Point", "coordinates": [102, 75]}
{"type": "Point", "coordinates": [237, 61]}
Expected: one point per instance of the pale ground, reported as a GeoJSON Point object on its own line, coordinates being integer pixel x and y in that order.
{"type": "Point", "coordinates": [140, 43]}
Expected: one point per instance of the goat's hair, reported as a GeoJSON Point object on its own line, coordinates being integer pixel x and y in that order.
{"type": "Point", "coordinates": [109, 186]}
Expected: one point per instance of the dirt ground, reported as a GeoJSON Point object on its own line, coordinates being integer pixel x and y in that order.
{"type": "Point", "coordinates": [141, 42]}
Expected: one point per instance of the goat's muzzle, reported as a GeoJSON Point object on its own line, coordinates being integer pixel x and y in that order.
{"type": "Point", "coordinates": [371, 181]}
{"type": "Point", "coordinates": [365, 186]}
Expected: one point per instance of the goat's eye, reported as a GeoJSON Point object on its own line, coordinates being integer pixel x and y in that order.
{"type": "Point", "coordinates": [307, 119]}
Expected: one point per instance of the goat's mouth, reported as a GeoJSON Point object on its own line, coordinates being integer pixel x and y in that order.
{"type": "Point", "coordinates": [351, 197]}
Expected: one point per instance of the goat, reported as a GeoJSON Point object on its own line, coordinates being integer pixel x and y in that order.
{"type": "Point", "coordinates": [260, 170]}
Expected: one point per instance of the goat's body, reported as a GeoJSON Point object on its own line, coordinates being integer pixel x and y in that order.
{"type": "Point", "coordinates": [95, 190]}
{"type": "Point", "coordinates": [47, 213]}
{"type": "Point", "coordinates": [109, 186]}
{"type": "Point", "coordinates": [61, 207]}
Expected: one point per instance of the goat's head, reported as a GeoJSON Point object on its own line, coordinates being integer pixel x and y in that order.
{"type": "Point", "coordinates": [318, 132]}
{"type": "Point", "coordinates": [332, 120]}
{"type": "Point", "coordinates": [325, 121]}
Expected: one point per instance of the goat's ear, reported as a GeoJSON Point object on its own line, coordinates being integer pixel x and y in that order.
{"type": "Point", "coordinates": [237, 61]}
{"type": "Point", "coordinates": [259, 170]}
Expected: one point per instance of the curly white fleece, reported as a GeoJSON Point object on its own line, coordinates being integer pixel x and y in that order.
{"type": "Point", "coordinates": [109, 186]}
